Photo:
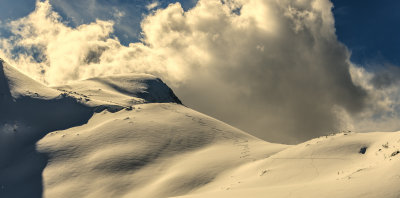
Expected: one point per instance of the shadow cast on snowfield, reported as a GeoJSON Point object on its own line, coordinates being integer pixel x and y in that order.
{"type": "Point", "coordinates": [23, 122]}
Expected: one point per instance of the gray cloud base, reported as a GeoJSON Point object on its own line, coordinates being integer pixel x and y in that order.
{"type": "Point", "coordinates": [282, 82]}
{"type": "Point", "coordinates": [272, 68]}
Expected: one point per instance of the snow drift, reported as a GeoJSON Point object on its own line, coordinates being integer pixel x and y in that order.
{"type": "Point", "coordinates": [130, 136]}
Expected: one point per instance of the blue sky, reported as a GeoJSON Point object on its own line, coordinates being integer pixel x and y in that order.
{"type": "Point", "coordinates": [369, 28]}
{"type": "Point", "coordinates": [217, 55]}
{"type": "Point", "coordinates": [76, 12]}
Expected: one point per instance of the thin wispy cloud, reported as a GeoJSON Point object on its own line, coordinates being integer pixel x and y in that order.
{"type": "Point", "coordinates": [152, 5]}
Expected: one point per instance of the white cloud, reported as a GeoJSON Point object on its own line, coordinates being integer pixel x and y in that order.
{"type": "Point", "coordinates": [152, 5]}
{"type": "Point", "coordinates": [118, 14]}
{"type": "Point", "coordinates": [273, 68]}
{"type": "Point", "coordinates": [382, 112]}
{"type": "Point", "coordinates": [67, 53]}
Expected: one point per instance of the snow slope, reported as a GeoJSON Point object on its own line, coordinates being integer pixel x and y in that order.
{"type": "Point", "coordinates": [28, 111]}
{"type": "Point", "coordinates": [130, 136]}
{"type": "Point", "coordinates": [120, 91]}
{"type": "Point", "coordinates": [341, 165]}
{"type": "Point", "coordinates": [114, 136]}
{"type": "Point", "coordinates": [153, 150]}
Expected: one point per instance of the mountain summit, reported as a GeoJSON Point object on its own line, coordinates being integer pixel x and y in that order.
{"type": "Point", "coordinates": [110, 136]}
{"type": "Point", "coordinates": [15, 84]}
{"type": "Point", "coordinates": [129, 136]}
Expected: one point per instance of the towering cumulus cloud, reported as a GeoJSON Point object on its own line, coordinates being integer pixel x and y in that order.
{"type": "Point", "coordinates": [273, 68]}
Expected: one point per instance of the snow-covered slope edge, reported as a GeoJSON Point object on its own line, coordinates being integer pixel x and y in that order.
{"type": "Point", "coordinates": [115, 136]}
{"type": "Point", "coordinates": [153, 150]}
{"type": "Point", "coordinates": [128, 136]}
{"type": "Point", "coordinates": [120, 91]}
{"type": "Point", "coordinates": [341, 165]}
{"type": "Point", "coordinates": [29, 110]}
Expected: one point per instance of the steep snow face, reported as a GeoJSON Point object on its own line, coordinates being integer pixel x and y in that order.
{"type": "Point", "coordinates": [28, 111]}
{"type": "Point", "coordinates": [121, 90]}
{"type": "Point", "coordinates": [34, 105]}
{"type": "Point", "coordinates": [16, 84]}
{"type": "Point", "coordinates": [4, 90]}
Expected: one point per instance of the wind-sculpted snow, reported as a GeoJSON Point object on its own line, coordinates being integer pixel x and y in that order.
{"type": "Point", "coordinates": [340, 165]}
{"type": "Point", "coordinates": [29, 110]}
{"type": "Point", "coordinates": [129, 136]}
{"type": "Point", "coordinates": [153, 150]}
{"type": "Point", "coordinates": [121, 90]}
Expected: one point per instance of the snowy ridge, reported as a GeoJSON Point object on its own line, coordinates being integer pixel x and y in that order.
{"type": "Point", "coordinates": [120, 91]}
{"type": "Point", "coordinates": [30, 110]}
{"type": "Point", "coordinates": [4, 90]}
{"type": "Point", "coordinates": [340, 165]}
{"type": "Point", "coordinates": [129, 136]}
{"type": "Point", "coordinates": [154, 150]}
{"type": "Point", "coordinates": [14, 83]}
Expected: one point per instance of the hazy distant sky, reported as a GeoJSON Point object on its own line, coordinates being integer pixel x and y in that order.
{"type": "Point", "coordinates": [272, 68]}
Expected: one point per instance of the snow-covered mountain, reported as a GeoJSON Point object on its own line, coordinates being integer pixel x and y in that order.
{"type": "Point", "coordinates": [130, 136]}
